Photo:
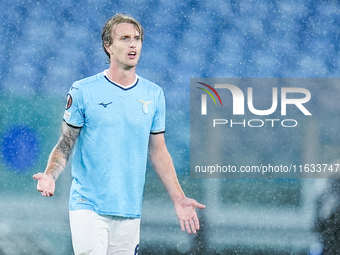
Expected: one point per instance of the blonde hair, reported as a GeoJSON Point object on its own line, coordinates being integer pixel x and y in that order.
{"type": "Point", "coordinates": [119, 18]}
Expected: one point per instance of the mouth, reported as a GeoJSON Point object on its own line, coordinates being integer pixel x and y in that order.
{"type": "Point", "coordinates": [132, 54]}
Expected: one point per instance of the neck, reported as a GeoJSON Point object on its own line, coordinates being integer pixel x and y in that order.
{"type": "Point", "coordinates": [122, 76]}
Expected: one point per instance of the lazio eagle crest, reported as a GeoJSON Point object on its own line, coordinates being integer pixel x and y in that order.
{"type": "Point", "coordinates": [145, 105]}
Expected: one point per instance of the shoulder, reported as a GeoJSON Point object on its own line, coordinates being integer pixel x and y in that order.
{"type": "Point", "coordinates": [88, 81]}
{"type": "Point", "coordinates": [150, 85]}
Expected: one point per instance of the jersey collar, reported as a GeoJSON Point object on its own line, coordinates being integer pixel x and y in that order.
{"type": "Point", "coordinates": [119, 85]}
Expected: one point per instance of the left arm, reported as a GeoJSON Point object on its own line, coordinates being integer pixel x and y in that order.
{"type": "Point", "coordinates": [164, 167]}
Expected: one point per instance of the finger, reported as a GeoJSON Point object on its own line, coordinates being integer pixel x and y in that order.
{"type": "Point", "coordinates": [187, 227]}
{"type": "Point", "coordinates": [182, 225]}
{"type": "Point", "coordinates": [39, 188]}
{"type": "Point", "coordinates": [199, 206]}
{"type": "Point", "coordinates": [37, 176]}
{"type": "Point", "coordinates": [192, 225]}
{"type": "Point", "coordinates": [197, 222]}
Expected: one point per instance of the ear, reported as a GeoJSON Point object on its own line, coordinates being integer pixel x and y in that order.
{"type": "Point", "coordinates": [107, 47]}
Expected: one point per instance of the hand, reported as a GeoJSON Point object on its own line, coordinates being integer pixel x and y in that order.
{"type": "Point", "coordinates": [46, 184]}
{"type": "Point", "coordinates": [186, 213]}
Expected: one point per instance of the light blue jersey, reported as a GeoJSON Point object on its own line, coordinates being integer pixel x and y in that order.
{"type": "Point", "coordinates": [110, 156]}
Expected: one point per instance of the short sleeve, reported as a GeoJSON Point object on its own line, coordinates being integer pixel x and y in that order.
{"type": "Point", "coordinates": [158, 124]}
{"type": "Point", "coordinates": [74, 112]}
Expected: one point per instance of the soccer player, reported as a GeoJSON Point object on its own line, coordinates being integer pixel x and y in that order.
{"type": "Point", "coordinates": [112, 122]}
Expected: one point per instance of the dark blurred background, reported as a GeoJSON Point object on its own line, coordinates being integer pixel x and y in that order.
{"type": "Point", "coordinates": [47, 45]}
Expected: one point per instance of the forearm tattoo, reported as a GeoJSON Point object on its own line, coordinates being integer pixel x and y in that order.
{"type": "Point", "coordinates": [62, 151]}
{"type": "Point", "coordinates": [67, 140]}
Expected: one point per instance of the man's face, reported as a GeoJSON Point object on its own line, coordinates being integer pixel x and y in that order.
{"type": "Point", "coordinates": [126, 47]}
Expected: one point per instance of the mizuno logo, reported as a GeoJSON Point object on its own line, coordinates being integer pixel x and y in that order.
{"type": "Point", "coordinates": [145, 105]}
{"type": "Point", "coordinates": [105, 105]}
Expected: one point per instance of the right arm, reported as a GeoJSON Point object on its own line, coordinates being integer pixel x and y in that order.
{"type": "Point", "coordinates": [57, 160]}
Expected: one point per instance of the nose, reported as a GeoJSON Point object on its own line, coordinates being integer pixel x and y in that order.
{"type": "Point", "coordinates": [133, 41]}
